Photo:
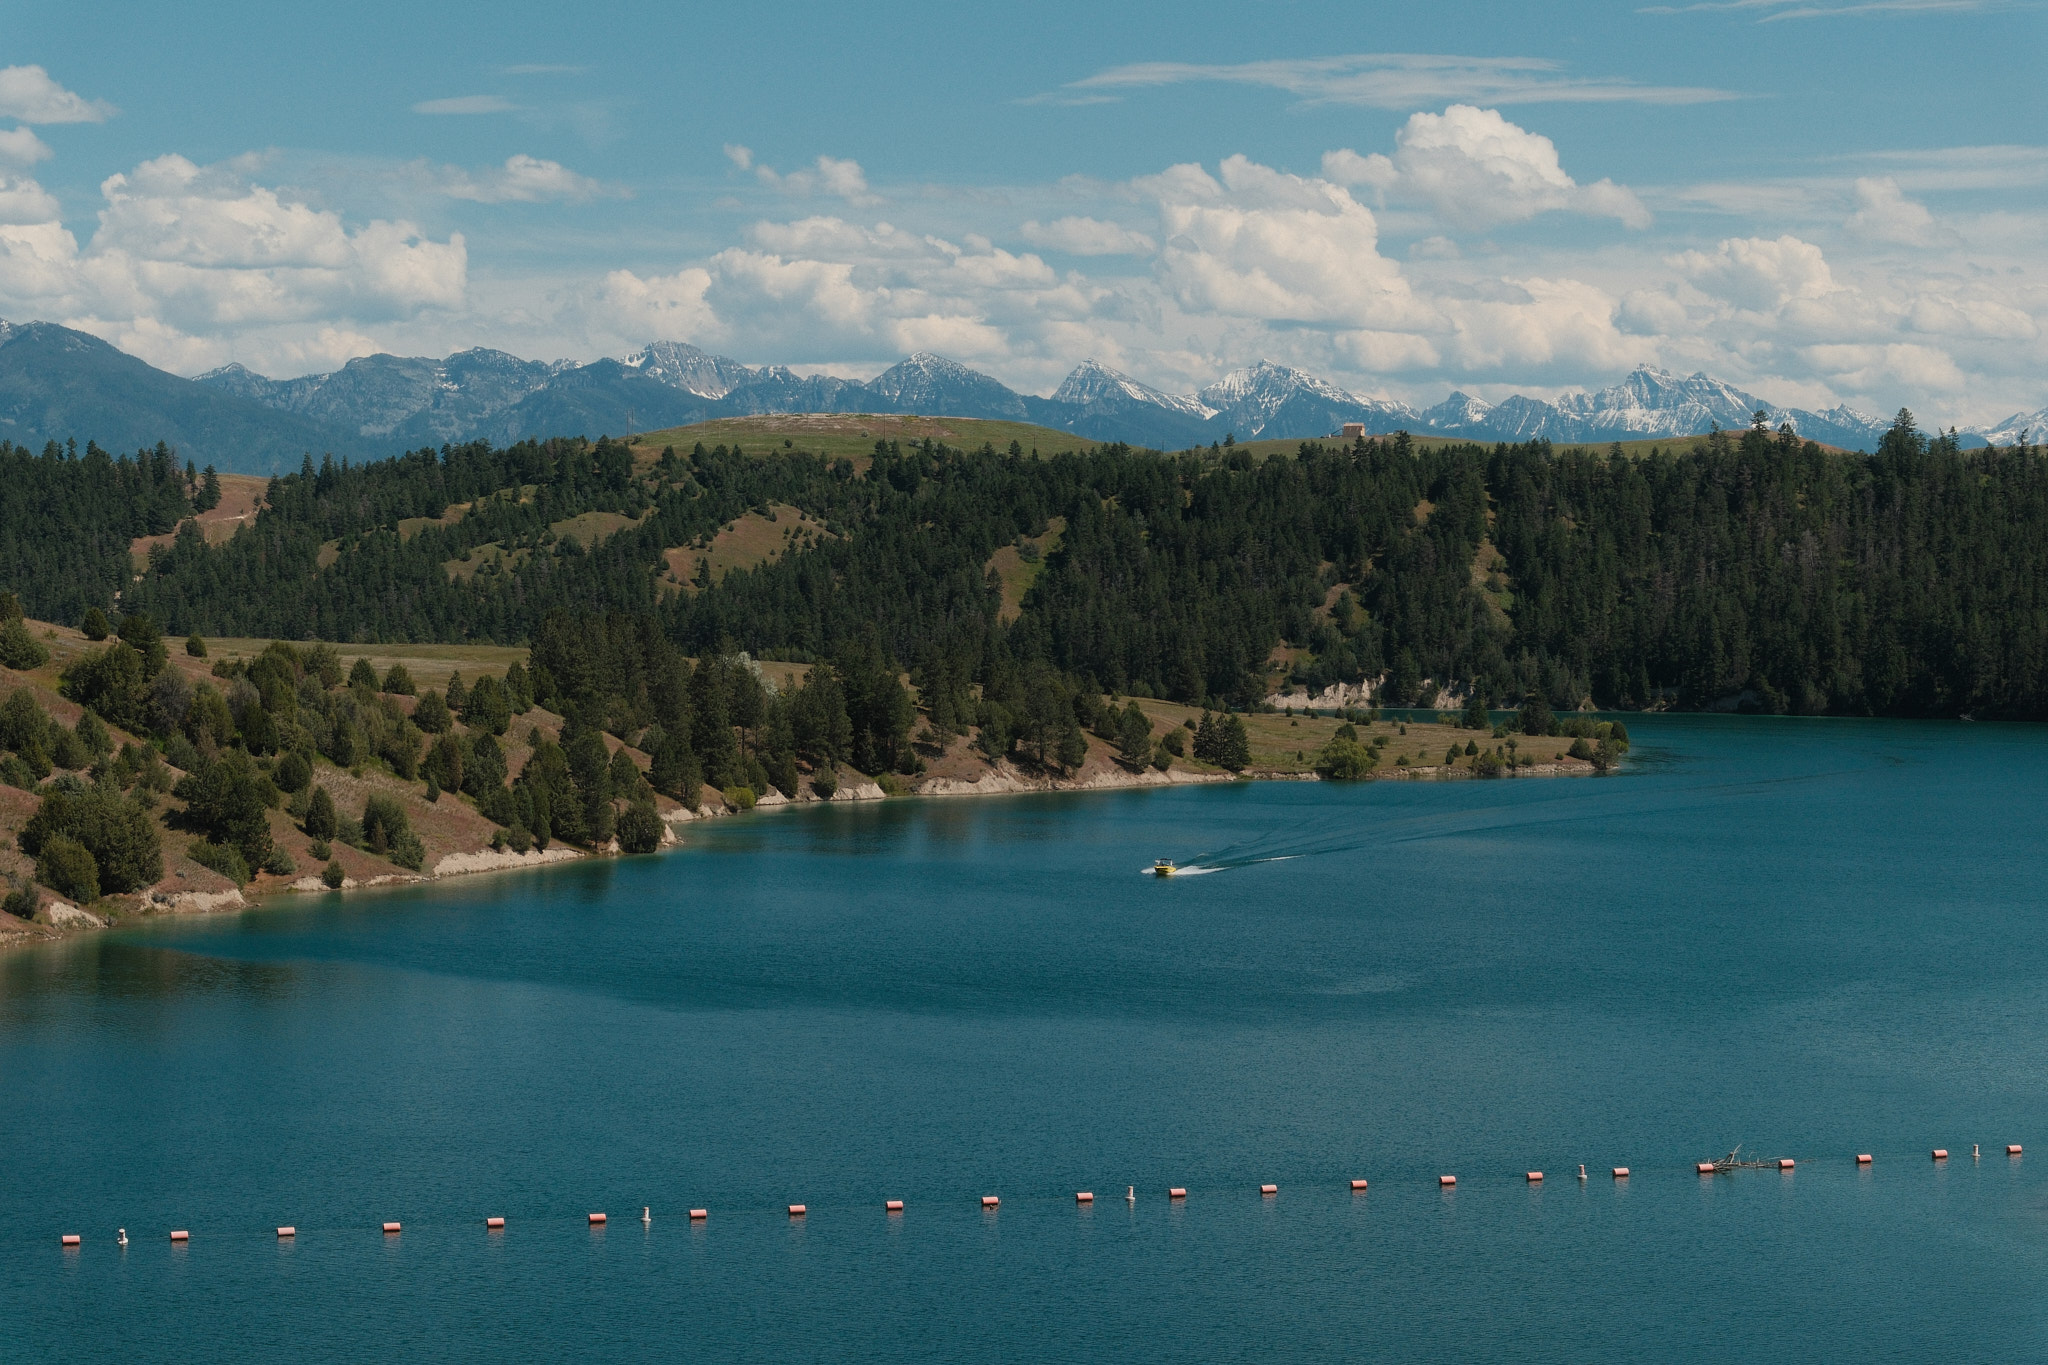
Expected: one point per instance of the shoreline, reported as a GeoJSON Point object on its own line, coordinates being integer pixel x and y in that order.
{"type": "Point", "coordinates": [68, 922]}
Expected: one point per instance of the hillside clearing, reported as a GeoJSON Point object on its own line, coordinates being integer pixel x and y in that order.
{"type": "Point", "coordinates": [747, 543]}
{"type": "Point", "coordinates": [1019, 573]}
{"type": "Point", "coordinates": [240, 496]}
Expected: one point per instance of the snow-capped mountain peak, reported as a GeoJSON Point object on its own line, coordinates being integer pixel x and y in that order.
{"type": "Point", "coordinates": [1093, 383]}
{"type": "Point", "coordinates": [683, 366]}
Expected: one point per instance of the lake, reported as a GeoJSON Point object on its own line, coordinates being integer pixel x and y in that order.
{"type": "Point", "coordinates": [1811, 938]}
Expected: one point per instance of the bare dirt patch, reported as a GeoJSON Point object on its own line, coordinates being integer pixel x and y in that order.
{"type": "Point", "coordinates": [240, 497]}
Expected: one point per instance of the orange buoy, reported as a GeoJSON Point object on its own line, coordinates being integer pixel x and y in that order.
{"type": "Point", "coordinates": [1269, 1189]}
{"type": "Point", "coordinates": [1705, 1168]}
{"type": "Point", "coordinates": [2012, 1149]}
{"type": "Point", "coordinates": [1863, 1158]}
{"type": "Point", "coordinates": [796, 1210]}
{"type": "Point", "coordinates": [287, 1232]}
{"type": "Point", "coordinates": [1447, 1180]}
{"type": "Point", "coordinates": [71, 1239]}
{"type": "Point", "coordinates": [1535, 1177]}
{"type": "Point", "coordinates": [1176, 1193]}
{"type": "Point", "coordinates": [989, 1201]}
{"type": "Point", "coordinates": [1941, 1154]}
{"type": "Point", "coordinates": [1357, 1185]}
{"type": "Point", "coordinates": [699, 1215]}
{"type": "Point", "coordinates": [1084, 1197]}
{"type": "Point", "coordinates": [391, 1227]}
{"type": "Point", "coordinates": [1621, 1172]}
{"type": "Point", "coordinates": [1784, 1163]}
{"type": "Point", "coordinates": [495, 1224]}
{"type": "Point", "coordinates": [596, 1218]}
{"type": "Point", "coordinates": [893, 1206]}
{"type": "Point", "coordinates": [181, 1236]}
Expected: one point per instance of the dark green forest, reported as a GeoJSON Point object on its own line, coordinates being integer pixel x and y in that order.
{"type": "Point", "coordinates": [1908, 581]}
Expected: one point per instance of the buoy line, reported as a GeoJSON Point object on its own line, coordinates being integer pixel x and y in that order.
{"type": "Point", "coordinates": [1176, 1196]}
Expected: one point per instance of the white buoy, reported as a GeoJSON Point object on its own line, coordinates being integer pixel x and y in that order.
{"type": "Point", "coordinates": [124, 1237]}
{"type": "Point", "coordinates": [1130, 1194]}
{"type": "Point", "coordinates": [1582, 1170]}
{"type": "Point", "coordinates": [646, 1213]}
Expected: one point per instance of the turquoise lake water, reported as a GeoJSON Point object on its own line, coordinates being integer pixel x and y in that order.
{"type": "Point", "coordinates": [1813, 938]}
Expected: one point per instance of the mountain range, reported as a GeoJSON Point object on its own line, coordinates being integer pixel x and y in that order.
{"type": "Point", "coordinates": [57, 383]}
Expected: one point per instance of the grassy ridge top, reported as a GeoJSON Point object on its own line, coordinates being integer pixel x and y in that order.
{"type": "Point", "coordinates": [853, 434]}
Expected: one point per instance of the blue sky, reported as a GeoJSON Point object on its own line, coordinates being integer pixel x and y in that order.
{"type": "Point", "coordinates": [1822, 200]}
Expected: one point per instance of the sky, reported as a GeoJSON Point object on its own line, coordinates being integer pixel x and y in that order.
{"type": "Point", "coordinates": [1822, 201]}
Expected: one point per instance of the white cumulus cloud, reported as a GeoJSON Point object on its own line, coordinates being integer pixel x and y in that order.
{"type": "Point", "coordinates": [1885, 214]}
{"type": "Point", "coordinates": [1259, 243]}
{"type": "Point", "coordinates": [28, 95]}
{"type": "Point", "coordinates": [22, 147]}
{"type": "Point", "coordinates": [522, 179]}
{"type": "Point", "coordinates": [1476, 169]}
{"type": "Point", "coordinates": [826, 175]}
{"type": "Point", "coordinates": [1760, 274]}
{"type": "Point", "coordinates": [185, 257]}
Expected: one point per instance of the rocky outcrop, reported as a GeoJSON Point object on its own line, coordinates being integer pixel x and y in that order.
{"type": "Point", "coordinates": [494, 860]}
{"type": "Point", "coordinates": [194, 902]}
{"type": "Point", "coordinates": [1007, 778]}
{"type": "Point", "coordinates": [63, 915]}
{"type": "Point", "coordinates": [1335, 697]}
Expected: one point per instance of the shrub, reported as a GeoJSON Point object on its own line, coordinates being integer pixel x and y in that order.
{"type": "Point", "coordinates": [487, 708]}
{"type": "Point", "coordinates": [1580, 749]}
{"type": "Point", "coordinates": [333, 875]}
{"type": "Point", "coordinates": [383, 820]}
{"type": "Point", "coordinates": [112, 681]}
{"type": "Point", "coordinates": [279, 863]}
{"type": "Point", "coordinates": [639, 829]}
{"type": "Point", "coordinates": [20, 650]}
{"type": "Point", "coordinates": [92, 733]}
{"type": "Point", "coordinates": [360, 674]}
{"type": "Point", "coordinates": [1346, 760]}
{"type": "Point", "coordinates": [1174, 744]}
{"type": "Point", "coordinates": [70, 752]}
{"type": "Point", "coordinates": [94, 627]}
{"type": "Point", "coordinates": [397, 681]}
{"type": "Point", "coordinates": [825, 781]}
{"type": "Point", "coordinates": [319, 850]}
{"type": "Point", "coordinates": [222, 858]}
{"type": "Point", "coordinates": [432, 714]}
{"type": "Point", "coordinates": [228, 800]}
{"type": "Point", "coordinates": [320, 819]}
{"type": "Point", "coordinates": [1488, 764]}
{"type": "Point", "coordinates": [126, 849]}
{"type": "Point", "coordinates": [15, 773]}
{"type": "Point", "coordinates": [21, 901]}
{"type": "Point", "coordinates": [66, 868]}
{"type": "Point", "coordinates": [293, 772]}
{"type": "Point", "coordinates": [195, 646]}
{"type": "Point", "coordinates": [739, 798]}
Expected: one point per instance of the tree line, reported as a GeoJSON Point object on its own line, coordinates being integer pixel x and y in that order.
{"type": "Point", "coordinates": [1751, 569]}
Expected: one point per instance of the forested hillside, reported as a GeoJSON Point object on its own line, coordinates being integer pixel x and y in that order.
{"type": "Point", "coordinates": [1910, 581]}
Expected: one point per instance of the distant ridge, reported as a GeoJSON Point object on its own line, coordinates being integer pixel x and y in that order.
{"type": "Point", "coordinates": [58, 383]}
